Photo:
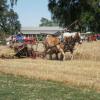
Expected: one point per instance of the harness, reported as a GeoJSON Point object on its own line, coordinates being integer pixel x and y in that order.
{"type": "Point", "coordinates": [69, 46]}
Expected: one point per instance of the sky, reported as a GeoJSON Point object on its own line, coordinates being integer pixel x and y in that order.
{"type": "Point", "coordinates": [31, 11]}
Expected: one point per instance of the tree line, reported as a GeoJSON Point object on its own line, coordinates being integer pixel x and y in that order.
{"type": "Point", "coordinates": [86, 13]}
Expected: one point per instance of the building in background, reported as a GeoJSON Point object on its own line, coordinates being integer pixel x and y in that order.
{"type": "Point", "coordinates": [40, 30]}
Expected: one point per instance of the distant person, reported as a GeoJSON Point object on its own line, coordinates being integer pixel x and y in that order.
{"type": "Point", "coordinates": [20, 37]}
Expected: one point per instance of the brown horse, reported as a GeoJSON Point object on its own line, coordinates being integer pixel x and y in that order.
{"type": "Point", "coordinates": [53, 45]}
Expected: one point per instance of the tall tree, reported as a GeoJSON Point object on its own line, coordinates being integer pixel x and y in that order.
{"type": "Point", "coordinates": [13, 2]}
{"type": "Point", "coordinates": [46, 22]}
{"type": "Point", "coordinates": [9, 22]}
{"type": "Point", "coordinates": [3, 14]}
{"type": "Point", "coordinates": [67, 11]}
{"type": "Point", "coordinates": [14, 24]}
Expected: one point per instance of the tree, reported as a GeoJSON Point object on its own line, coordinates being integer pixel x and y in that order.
{"type": "Point", "coordinates": [14, 24]}
{"type": "Point", "coordinates": [9, 22]}
{"type": "Point", "coordinates": [68, 11]}
{"type": "Point", "coordinates": [46, 22]}
{"type": "Point", "coordinates": [13, 2]}
{"type": "Point", "coordinates": [90, 17]}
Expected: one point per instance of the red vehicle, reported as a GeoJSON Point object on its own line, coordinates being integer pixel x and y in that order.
{"type": "Point", "coordinates": [30, 40]}
{"type": "Point", "coordinates": [92, 38]}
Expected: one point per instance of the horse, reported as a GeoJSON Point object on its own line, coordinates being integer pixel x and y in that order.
{"type": "Point", "coordinates": [75, 35]}
{"type": "Point", "coordinates": [70, 40]}
{"type": "Point", "coordinates": [53, 45]}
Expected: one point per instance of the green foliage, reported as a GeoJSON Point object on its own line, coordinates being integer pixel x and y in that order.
{"type": "Point", "coordinates": [14, 24]}
{"type": "Point", "coordinates": [9, 22]}
{"type": "Point", "coordinates": [13, 2]}
{"type": "Point", "coordinates": [20, 88]}
{"type": "Point", "coordinates": [46, 22]}
{"type": "Point", "coordinates": [40, 37]}
{"type": "Point", "coordinates": [2, 42]}
{"type": "Point", "coordinates": [87, 19]}
{"type": "Point", "coordinates": [87, 12]}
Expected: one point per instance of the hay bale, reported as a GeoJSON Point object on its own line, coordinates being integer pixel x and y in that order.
{"type": "Point", "coordinates": [6, 52]}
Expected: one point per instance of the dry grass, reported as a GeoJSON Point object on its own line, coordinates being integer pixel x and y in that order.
{"type": "Point", "coordinates": [88, 51]}
{"type": "Point", "coordinates": [84, 71]}
{"type": "Point", "coordinates": [79, 73]}
{"type": "Point", "coordinates": [6, 52]}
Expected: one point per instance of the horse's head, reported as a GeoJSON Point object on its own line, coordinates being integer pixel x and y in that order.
{"type": "Point", "coordinates": [77, 38]}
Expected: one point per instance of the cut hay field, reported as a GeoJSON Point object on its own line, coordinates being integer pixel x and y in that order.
{"type": "Point", "coordinates": [83, 71]}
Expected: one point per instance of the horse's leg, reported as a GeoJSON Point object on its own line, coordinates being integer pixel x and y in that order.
{"type": "Point", "coordinates": [50, 56]}
{"type": "Point", "coordinates": [44, 53]}
{"type": "Point", "coordinates": [62, 51]}
{"type": "Point", "coordinates": [72, 56]}
{"type": "Point", "coordinates": [57, 56]}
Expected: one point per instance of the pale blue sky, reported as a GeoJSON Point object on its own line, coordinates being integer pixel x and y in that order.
{"type": "Point", "coordinates": [31, 11]}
